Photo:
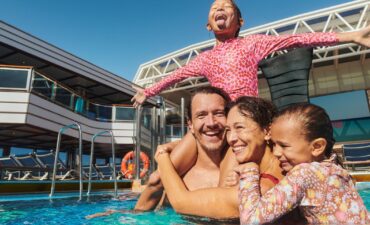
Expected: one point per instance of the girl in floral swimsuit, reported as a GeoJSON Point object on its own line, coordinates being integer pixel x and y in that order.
{"type": "Point", "coordinates": [302, 136]}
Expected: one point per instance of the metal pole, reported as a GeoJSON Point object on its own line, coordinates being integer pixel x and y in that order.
{"type": "Point", "coordinates": [154, 138]}
{"type": "Point", "coordinates": [138, 142]}
{"type": "Point", "coordinates": [61, 131]}
{"type": "Point", "coordinates": [162, 129]}
{"type": "Point", "coordinates": [182, 117]}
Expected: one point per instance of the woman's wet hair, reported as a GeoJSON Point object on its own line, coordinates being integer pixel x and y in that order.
{"type": "Point", "coordinates": [259, 110]}
{"type": "Point", "coordinates": [315, 123]}
{"type": "Point", "coordinates": [207, 90]}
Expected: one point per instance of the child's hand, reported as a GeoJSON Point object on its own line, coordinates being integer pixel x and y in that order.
{"type": "Point", "coordinates": [139, 98]}
{"type": "Point", "coordinates": [232, 179]}
{"type": "Point", "coordinates": [362, 36]}
{"type": "Point", "coordinates": [245, 166]}
{"type": "Point", "coordinates": [161, 149]}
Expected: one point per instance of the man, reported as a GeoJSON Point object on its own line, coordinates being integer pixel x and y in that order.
{"type": "Point", "coordinates": [206, 120]}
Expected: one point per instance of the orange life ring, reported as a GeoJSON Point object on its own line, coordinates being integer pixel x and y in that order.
{"type": "Point", "coordinates": [128, 166]}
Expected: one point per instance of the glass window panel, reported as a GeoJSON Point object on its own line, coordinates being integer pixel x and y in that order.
{"type": "Point", "coordinates": [176, 131]}
{"type": "Point", "coordinates": [342, 105]}
{"type": "Point", "coordinates": [123, 113]}
{"type": "Point", "coordinates": [104, 113]}
{"type": "Point", "coordinates": [13, 78]}
{"type": "Point", "coordinates": [100, 161]}
{"type": "Point", "coordinates": [168, 130]}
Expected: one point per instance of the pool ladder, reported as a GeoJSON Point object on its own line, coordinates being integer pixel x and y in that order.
{"type": "Point", "coordinates": [114, 175]}
{"type": "Point", "coordinates": [61, 131]}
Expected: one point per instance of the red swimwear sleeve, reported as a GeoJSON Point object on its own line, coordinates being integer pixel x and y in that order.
{"type": "Point", "coordinates": [193, 69]}
{"type": "Point", "coordinates": [266, 44]}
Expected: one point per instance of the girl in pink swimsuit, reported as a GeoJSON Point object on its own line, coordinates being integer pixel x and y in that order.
{"type": "Point", "coordinates": [232, 66]}
{"type": "Point", "coordinates": [233, 63]}
{"type": "Point", "coordinates": [302, 137]}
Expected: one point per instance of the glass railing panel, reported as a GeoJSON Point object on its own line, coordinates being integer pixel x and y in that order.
{"type": "Point", "coordinates": [146, 118]}
{"type": "Point", "coordinates": [13, 78]}
{"type": "Point", "coordinates": [91, 112]}
{"type": "Point", "coordinates": [174, 130]}
{"type": "Point", "coordinates": [80, 105]}
{"type": "Point", "coordinates": [104, 113]}
{"type": "Point", "coordinates": [42, 86]}
{"type": "Point", "coordinates": [64, 96]}
{"type": "Point", "coordinates": [125, 113]}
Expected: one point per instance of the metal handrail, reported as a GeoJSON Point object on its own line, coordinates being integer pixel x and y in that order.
{"type": "Point", "coordinates": [138, 142]}
{"type": "Point", "coordinates": [61, 131]}
{"type": "Point", "coordinates": [113, 158]}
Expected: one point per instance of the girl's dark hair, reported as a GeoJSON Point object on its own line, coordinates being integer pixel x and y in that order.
{"type": "Point", "coordinates": [259, 110]}
{"type": "Point", "coordinates": [239, 14]}
{"type": "Point", "coordinates": [315, 123]}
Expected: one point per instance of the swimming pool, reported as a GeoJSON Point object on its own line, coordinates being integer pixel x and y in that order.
{"type": "Point", "coordinates": [70, 211]}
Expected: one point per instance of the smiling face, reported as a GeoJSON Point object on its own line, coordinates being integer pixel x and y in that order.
{"type": "Point", "coordinates": [208, 121]}
{"type": "Point", "coordinates": [245, 137]}
{"type": "Point", "coordinates": [289, 143]}
{"type": "Point", "coordinates": [223, 18]}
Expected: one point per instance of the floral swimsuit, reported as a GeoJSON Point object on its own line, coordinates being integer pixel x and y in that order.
{"type": "Point", "coordinates": [324, 193]}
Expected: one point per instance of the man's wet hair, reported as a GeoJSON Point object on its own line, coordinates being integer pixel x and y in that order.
{"type": "Point", "coordinates": [207, 90]}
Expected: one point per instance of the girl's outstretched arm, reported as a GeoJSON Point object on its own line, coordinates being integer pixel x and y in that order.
{"type": "Point", "coordinates": [361, 37]}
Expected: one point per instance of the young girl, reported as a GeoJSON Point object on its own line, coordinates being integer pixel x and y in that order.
{"type": "Point", "coordinates": [302, 136]}
{"type": "Point", "coordinates": [233, 63]}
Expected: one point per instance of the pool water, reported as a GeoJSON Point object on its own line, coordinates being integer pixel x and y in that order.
{"type": "Point", "coordinates": [70, 211]}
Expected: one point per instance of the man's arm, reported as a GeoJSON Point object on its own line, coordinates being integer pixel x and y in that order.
{"type": "Point", "coordinates": [183, 156]}
{"type": "Point", "coordinates": [210, 202]}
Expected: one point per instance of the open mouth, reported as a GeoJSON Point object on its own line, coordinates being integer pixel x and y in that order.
{"type": "Point", "coordinates": [239, 149]}
{"type": "Point", "coordinates": [214, 134]}
{"type": "Point", "coordinates": [220, 17]}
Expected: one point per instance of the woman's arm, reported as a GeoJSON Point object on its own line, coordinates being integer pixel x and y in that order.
{"type": "Point", "coordinates": [212, 202]}
{"type": "Point", "coordinates": [228, 177]}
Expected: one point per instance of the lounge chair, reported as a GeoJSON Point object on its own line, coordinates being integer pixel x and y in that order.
{"type": "Point", "coordinates": [10, 169]}
{"type": "Point", "coordinates": [94, 172]}
{"type": "Point", "coordinates": [105, 171]}
{"type": "Point", "coordinates": [287, 76]}
{"type": "Point", "coordinates": [47, 161]}
{"type": "Point", "coordinates": [357, 156]}
{"type": "Point", "coordinates": [29, 164]}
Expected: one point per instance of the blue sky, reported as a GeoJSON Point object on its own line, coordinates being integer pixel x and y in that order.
{"type": "Point", "coordinates": [119, 35]}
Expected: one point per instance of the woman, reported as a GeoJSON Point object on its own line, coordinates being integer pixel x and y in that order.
{"type": "Point", "coordinates": [247, 134]}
